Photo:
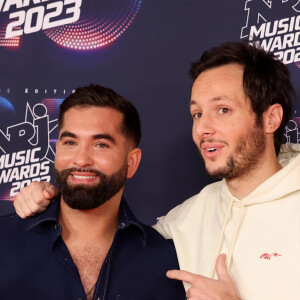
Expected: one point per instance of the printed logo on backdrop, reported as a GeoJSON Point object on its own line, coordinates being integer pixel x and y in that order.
{"type": "Point", "coordinates": [26, 147]}
{"type": "Point", "coordinates": [275, 25]}
{"type": "Point", "coordinates": [81, 25]}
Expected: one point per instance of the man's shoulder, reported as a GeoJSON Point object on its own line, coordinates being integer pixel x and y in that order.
{"type": "Point", "coordinates": [14, 235]}
{"type": "Point", "coordinates": [157, 246]}
{"type": "Point", "coordinates": [144, 248]}
{"type": "Point", "coordinates": [155, 239]}
{"type": "Point", "coordinates": [11, 220]}
{"type": "Point", "coordinates": [13, 227]}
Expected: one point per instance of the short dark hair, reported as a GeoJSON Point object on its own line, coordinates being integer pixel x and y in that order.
{"type": "Point", "coordinates": [266, 79]}
{"type": "Point", "coordinates": [99, 96]}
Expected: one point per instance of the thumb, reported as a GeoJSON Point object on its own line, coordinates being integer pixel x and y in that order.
{"type": "Point", "coordinates": [49, 191]}
{"type": "Point", "coordinates": [222, 269]}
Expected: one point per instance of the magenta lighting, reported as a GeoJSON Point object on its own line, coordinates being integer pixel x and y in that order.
{"type": "Point", "coordinates": [11, 42]}
{"type": "Point", "coordinates": [90, 33]}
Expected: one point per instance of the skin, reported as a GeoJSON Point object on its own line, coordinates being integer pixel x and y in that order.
{"type": "Point", "coordinates": [101, 153]}
{"type": "Point", "coordinates": [205, 288]}
{"type": "Point", "coordinates": [90, 138]}
{"type": "Point", "coordinates": [222, 117]}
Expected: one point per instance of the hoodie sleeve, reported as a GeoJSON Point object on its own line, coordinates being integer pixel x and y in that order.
{"type": "Point", "coordinates": [162, 227]}
{"type": "Point", "coordinates": [174, 219]}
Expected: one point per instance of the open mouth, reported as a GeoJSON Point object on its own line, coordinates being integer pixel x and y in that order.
{"type": "Point", "coordinates": [211, 149]}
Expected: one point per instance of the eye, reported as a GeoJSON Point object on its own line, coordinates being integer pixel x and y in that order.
{"type": "Point", "coordinates": [69, 143]}
{"type": "Point", "coordinates": [224, 110]}
{"type": "Point", "coordinates": [102, 145]}
{"type": "Point", "coordinates": [197, 115]}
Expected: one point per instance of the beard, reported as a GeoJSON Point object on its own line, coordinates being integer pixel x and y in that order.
{"type": "Point", "coordinates": [245, 158]}
{"type": "Point", "coordinates": [84, 197]}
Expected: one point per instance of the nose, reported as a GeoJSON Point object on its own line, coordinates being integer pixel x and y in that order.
{"type": "Point", "coordinates": [203, 127]}
{"type": "Point", "coordinates": [83, 157]}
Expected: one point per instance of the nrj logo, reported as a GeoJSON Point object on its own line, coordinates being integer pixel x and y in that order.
{"type": "Point", "coordinates": [292, 131]}
{"type": "Point", "coordinates": [275, 25]}
{"type": "Point", "coordinates": [26, 153]}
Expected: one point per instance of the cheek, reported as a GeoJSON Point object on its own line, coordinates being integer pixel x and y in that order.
{"type": "Point", "coordinates": [237, 124]}
{"type": "Point", "coordinates": [195, 135]}
{"type": "Point", "coordinates": [103, 161]}
{"type": "Point", "coordinates": [108, 163]}
{"type": "Point", "coordinates": [62, 159]}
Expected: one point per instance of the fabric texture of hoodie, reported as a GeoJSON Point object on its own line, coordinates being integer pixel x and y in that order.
{"type": "Point", "coordinates": [260, 234]}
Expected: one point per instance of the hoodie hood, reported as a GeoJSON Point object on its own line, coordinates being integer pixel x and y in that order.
{"type": "Point", "coordinates": [282, 183]}
{"type": "Point", "coordinates": [271, 189]}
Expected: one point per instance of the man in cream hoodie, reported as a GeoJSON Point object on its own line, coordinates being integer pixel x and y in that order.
{"type": "Point", "coordinates": [240, 102]}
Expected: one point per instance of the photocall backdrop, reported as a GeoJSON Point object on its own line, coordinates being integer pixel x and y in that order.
{"type": "Point", "coordinates": [143, 50]}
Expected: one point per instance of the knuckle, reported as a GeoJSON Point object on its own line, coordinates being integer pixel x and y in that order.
{"type": "Point", "coordinates": [198, 281]}
{"type": "Point", "coordinates": [51, 186]}
{"type": "Point", "coordinates": [24, 213]}
{"type": "Point", "coordinates": [36, 208]}
{"type": "Point", "coordinates": [24, 190]}
{"type": "Point", "coordinates": [34, 184]}
{"type": "Point", "coordinates": [38, 201]}
{"type": "Point", "coordinates": [191, 292]}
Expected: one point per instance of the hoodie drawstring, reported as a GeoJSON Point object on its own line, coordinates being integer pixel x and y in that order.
{"type": "Point", "coordinates": [237, 227]}
{"type": "Point", "coordinates": [221, 238]}
{"type": "Point", "coordinates": [222, 235]}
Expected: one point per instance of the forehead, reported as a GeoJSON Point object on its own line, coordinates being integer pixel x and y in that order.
{"type": "Point", "coordinates": [92, 119]}
{"type": "Point", "coordinates": [225, 82]}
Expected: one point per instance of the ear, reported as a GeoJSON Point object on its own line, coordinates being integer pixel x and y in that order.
{"type": "Point", "coordinates": [272, 118]}
{"type": "Point", "coordinates": [133, 161]}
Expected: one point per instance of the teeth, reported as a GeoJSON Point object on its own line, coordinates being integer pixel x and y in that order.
{"type": "Point", "coordinates": [211, 149]}
{"type": "Point", "coordinates": [83, 177]}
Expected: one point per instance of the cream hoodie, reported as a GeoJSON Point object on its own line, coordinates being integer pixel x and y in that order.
{"type": "Point", "coordinates": [260, 234]}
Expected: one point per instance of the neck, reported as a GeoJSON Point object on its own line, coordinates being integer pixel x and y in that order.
{"type": "Point", "coordinates": [266, 167]}
{"type": "Point", "coordinates": [90, 225]}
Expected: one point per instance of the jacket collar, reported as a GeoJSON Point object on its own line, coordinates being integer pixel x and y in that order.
{"type": "Point", "coordinates": [51, 215]}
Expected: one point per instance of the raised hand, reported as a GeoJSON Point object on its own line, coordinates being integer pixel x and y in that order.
{"type": "Point", "coordinates": [34, 198]}
{"type": "Point", "coordinates": [204, 288]}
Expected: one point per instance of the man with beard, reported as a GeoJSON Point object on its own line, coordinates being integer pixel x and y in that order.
{"type": "Point", "coordinates": [241, 101]}
{"type": "Point", "coordinates": [88, 244]}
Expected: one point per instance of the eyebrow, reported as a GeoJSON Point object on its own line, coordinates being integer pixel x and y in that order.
{"type": "Point", "coordinates": [104, 136]}
{"type": "Point", "coordinates": [95, 136]}
{"type": "Point", "coordinates": [67, 134]}
{"type": "Point", "coordinates": [219, 98]}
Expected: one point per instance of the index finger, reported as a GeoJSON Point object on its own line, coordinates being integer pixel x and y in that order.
{"type": "Point", "coordinates": [183, 276]}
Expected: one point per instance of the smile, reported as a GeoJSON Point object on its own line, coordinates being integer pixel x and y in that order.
{"type": "Point", "coordinates": [83, 177]}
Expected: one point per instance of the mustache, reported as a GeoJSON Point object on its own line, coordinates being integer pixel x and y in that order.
{"type": "Point", "coordinates": [212, 141]}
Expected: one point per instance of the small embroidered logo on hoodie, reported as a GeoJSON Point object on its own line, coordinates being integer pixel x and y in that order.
{"type": "Point", "coordinates": [268, 256]}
